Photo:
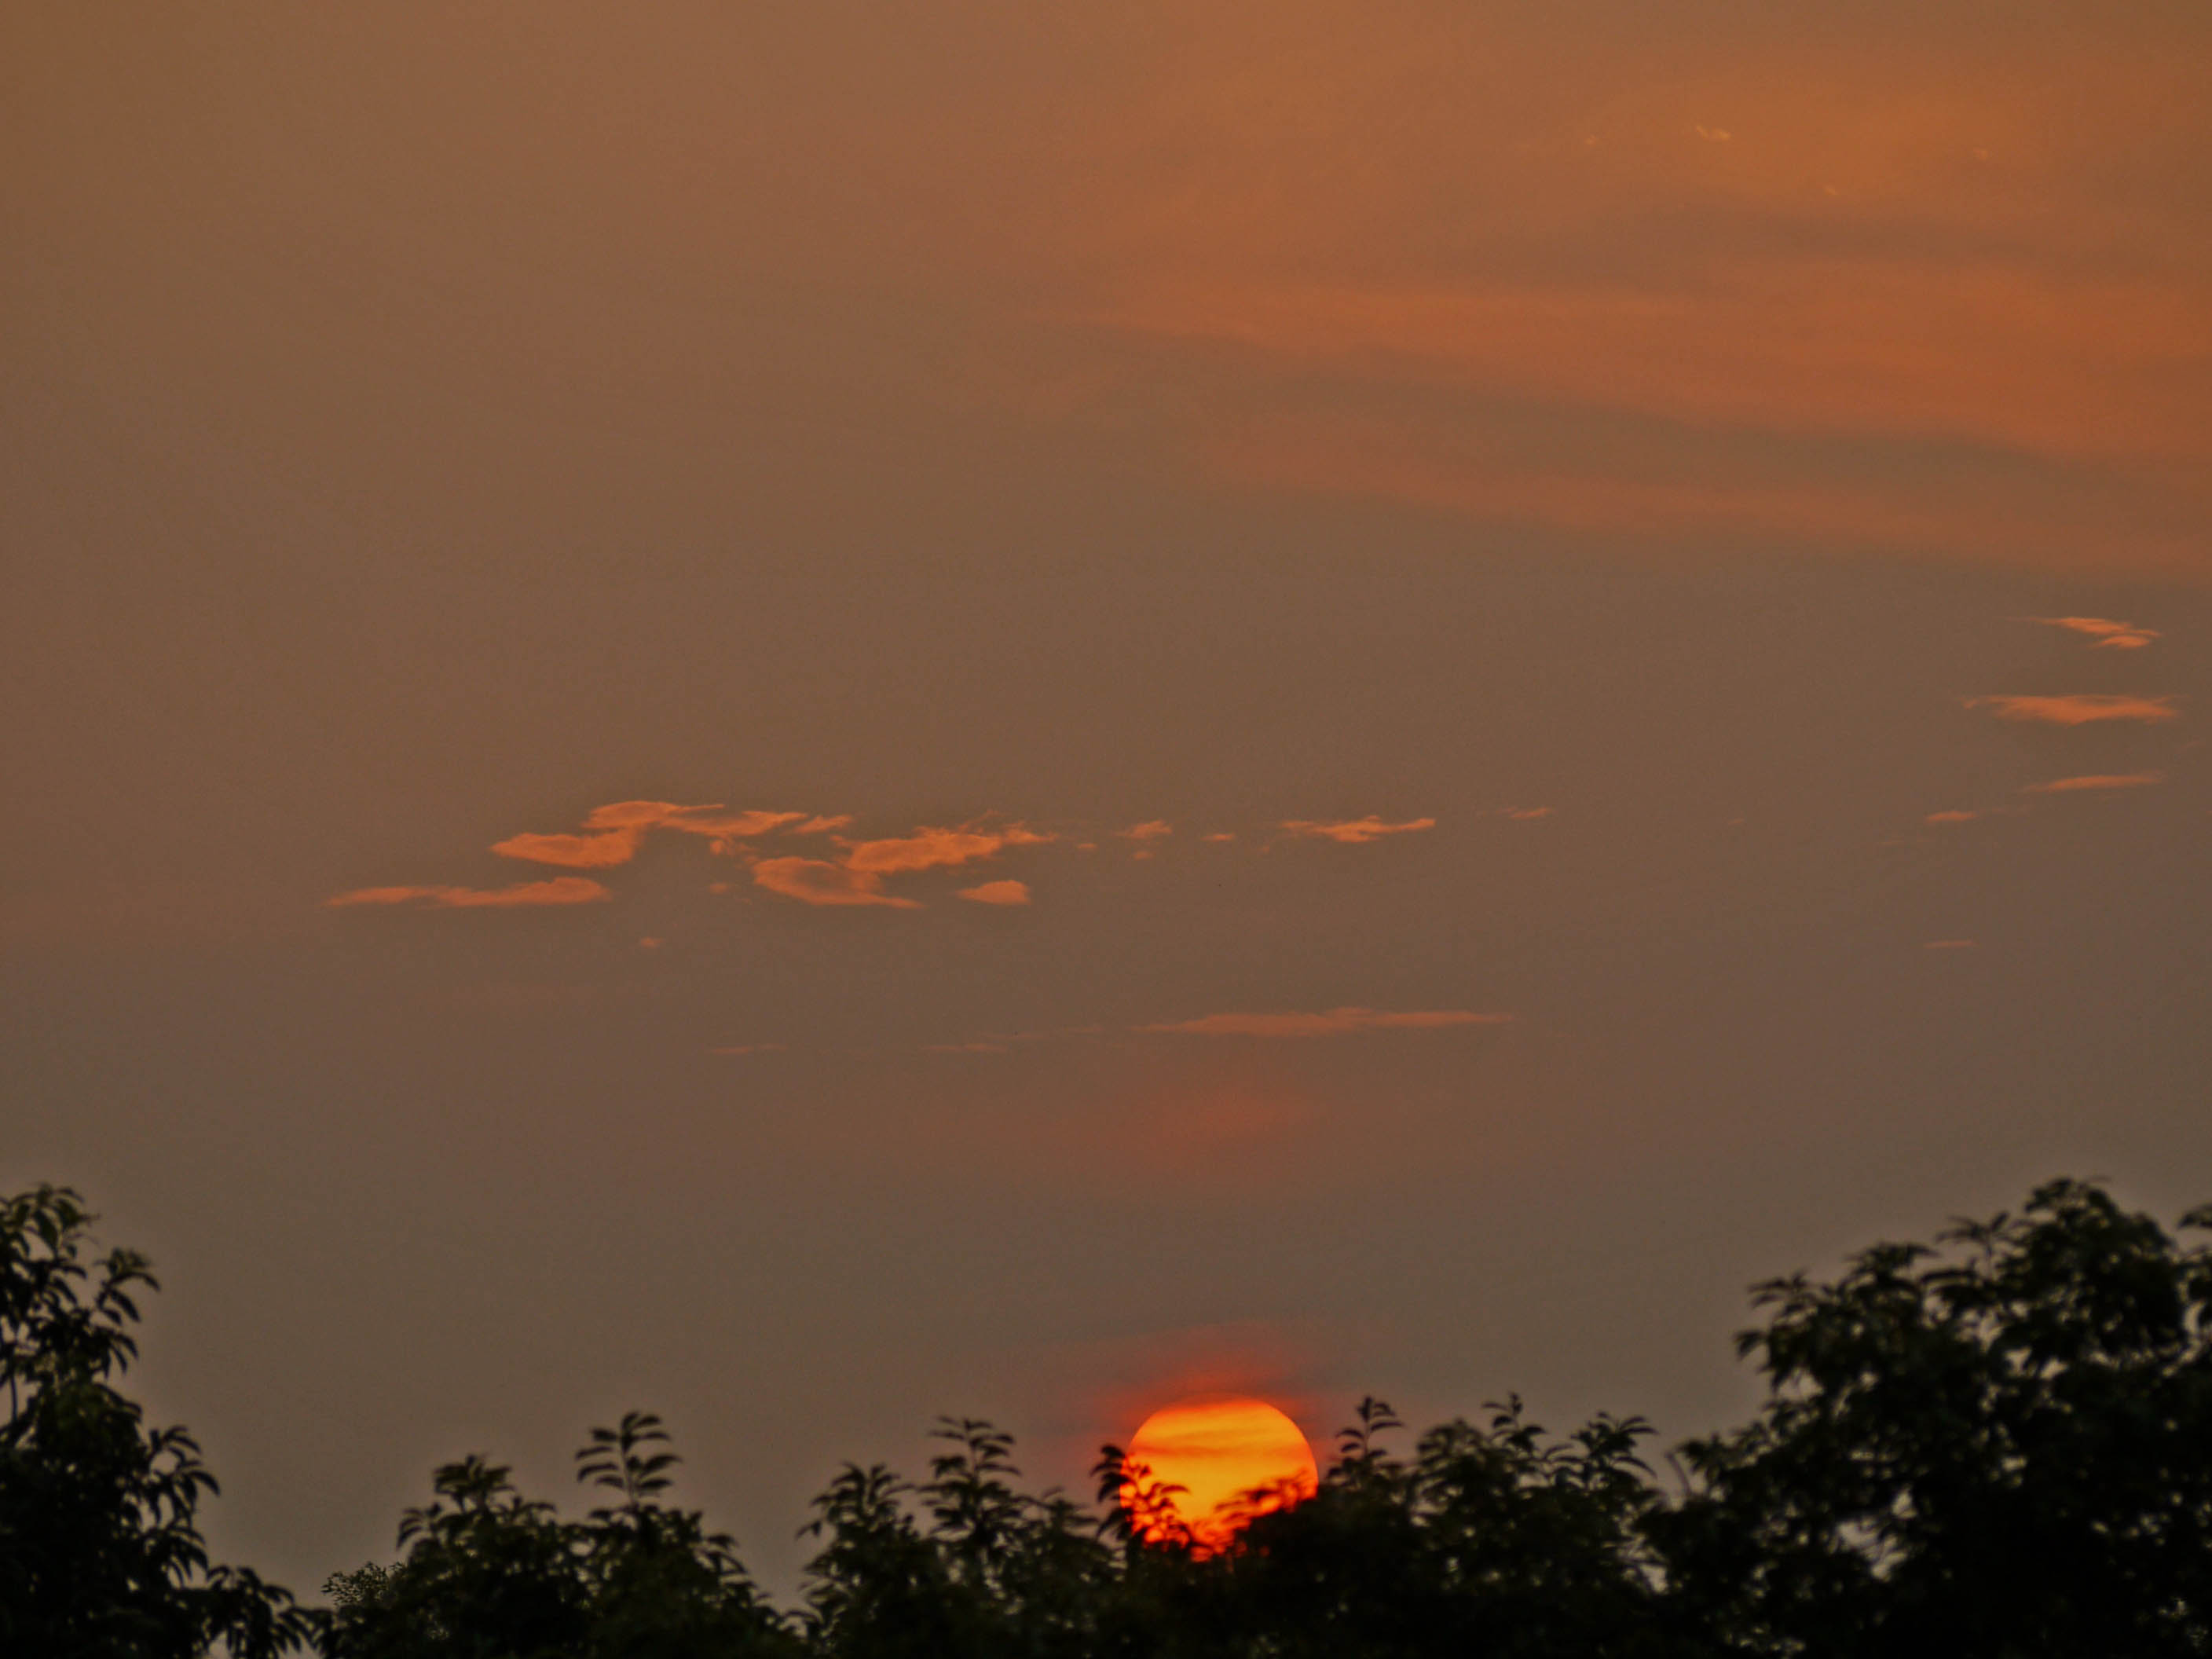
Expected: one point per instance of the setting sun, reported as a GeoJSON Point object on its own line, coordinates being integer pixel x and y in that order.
{"type": "Point", "coordinates": [1216, 1449]}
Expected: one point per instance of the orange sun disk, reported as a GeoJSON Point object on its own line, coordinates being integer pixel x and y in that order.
{"type": "Point", "coordinates": [1217, 1449]}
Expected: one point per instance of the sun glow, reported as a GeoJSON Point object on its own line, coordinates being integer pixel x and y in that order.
{"type": "Point", "coordinates": [1218, 1449]}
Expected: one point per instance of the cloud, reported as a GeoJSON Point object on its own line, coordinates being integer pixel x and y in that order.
{"type": "Point", "coordinates": [2078, 708]}
{"type": "Point", "coordinates": [616, 830]}
{"type": "Point", "coordinates": [1150, 830]}
{"type": "Point", "coordinates": [1353, 832]}
{"type": "Point", "coordinates": [712, 819]}
{"type": "Point", "coordinates": [998, 892]}
{"type": "Point", "coordinates": [1337, 1022]}
{"type": "Point", "coordinates": [600, 852]}
{"type": "Point", "coordinates": [638, 814]}
{"type": "Point", "coordinates": [2103, 631]}
{"type": "Point", "coordinates": [1953, 815]}
{"type": "Point", "coordinates": [1222, 836]}
{"type": "Point", "coordinates": [2095, 780]}
{"type": "Point", "coordinates": [817, 881]}
{"type": "Point", "coordinates": [929, 849]}
{"type": "Point", "coordinates": [561, 889]}
{"type": "Point", "coordinates": [1524, 814]}
{"type": "Point", "coordinates": [963, 1048]}
{"type": "Point", "coordinates": [818, 825]}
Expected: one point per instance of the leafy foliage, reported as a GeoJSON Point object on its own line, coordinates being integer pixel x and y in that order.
{"type": "Point", "coordinates": [491, 1575]}
{"type": "Point", "coordinates": [101, 1554]}
{"type": "Point", "coordinates": [1998, 1445]}
{"type": "Point", "coordinates": [2002, 1446]}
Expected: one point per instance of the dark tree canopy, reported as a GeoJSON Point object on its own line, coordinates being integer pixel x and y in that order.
{"type": "Point", "coordinates": [1999, 1445]}
{"type": "Point", "coordinates": [101, 1554]}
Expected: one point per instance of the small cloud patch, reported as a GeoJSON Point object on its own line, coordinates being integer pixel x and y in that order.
{"type": "Point", "coordinates": [1353, 832]}
{"type": "Point", "coordinates": [561, 889]}
{"type": "Point", "coordinates": [2089, 780]}
{"type": "Point", "coordinates": [2104, 633]}
{"type": "Point", "coordinates": [998, 892]}
{"type": "Point", "coordinates": [2078, 708]}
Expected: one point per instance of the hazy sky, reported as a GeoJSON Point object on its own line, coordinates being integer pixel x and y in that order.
{"type": "Point", "coordinates": [811, 713]}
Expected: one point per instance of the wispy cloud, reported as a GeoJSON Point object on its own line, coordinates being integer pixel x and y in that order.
{"type": "Point", "coordinates": [2078, 708]}
{"type": "Point", "coordinates": [817, 881]}
{"type": "Point", "coordinates": [929, 849]}
{"type": "Point", "coordinates": [1952, 816]}
{"type": "Point", "coordinates": [1335, 1022]}
{"type": "Point", "coordinates": [561, 889]}
{"type": "Point", "coordinates": [963, 1048]}
{"type": "Point", "coordinates": [1353, 832]}
{"type": "Point", "coordinates": [1524, 814]}
{"type": "Point", "coordinates": [2104, 633]}
{"type": "Point", "coordinates": [614, 831]}
{"type": "Point", "coordinates": [596, 851]}
{"type": "Point", "coordinates": [2095, 780]}
{"type": "Point", "coordinates": [1150, 830]}
{"type": "Point", "coordinates": [998, 892]}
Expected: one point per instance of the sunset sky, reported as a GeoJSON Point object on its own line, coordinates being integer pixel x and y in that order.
{"type": "Point", "coordinates": [804, 714]}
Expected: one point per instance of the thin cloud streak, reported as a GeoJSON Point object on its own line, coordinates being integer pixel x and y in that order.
{"type": "Point", "coordinates": [998, 893]}
{"type": "Point", "coordinates": [2095, 780]}
{"type": "Point", "coordinates": [1336, 1022]}
{"type": "Point", "coordinates": [1352, 832]}
{"type": "Point", "coordinates": [559, 890]}
{"type": "Point", "coordinates": [2104, 633]}
{"type": "Point", "coordinates": [2078, 708]}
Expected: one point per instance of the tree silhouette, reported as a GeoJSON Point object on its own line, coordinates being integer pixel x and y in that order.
{"type": "Point", "coordinates": [491, 1575]}
{"type": "Point", "coordinates": [1997, 1444]}
{"type": "Point", "coordinates": [2002, 1444]}
{"type": "Point", "coordinates": [101, 1554]}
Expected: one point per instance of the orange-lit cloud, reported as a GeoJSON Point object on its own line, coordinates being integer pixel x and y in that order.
{"type": "Point", "coordinates": [596, 851]}
{"type": "Point", "coordinates": [1150, 830]}
{"type": "Point", "coordinates": [1524, 814]}
{"type": "Point", "coordinates": [615, 829]}
{"type": "Point", "coordinates": [2095, 780]}
{"type": "Point", "coordinates": [963, 1048]}
{"type": "Point", "coordinates": [1677, 286]}
{"type": "Point", "coordinates": [1952, 816]}
{"type": "Point", "coordinates": [2103, 632]}
{"type": "Point", "coordinates": [998, 892]}
{"type": "Point", "coordinates": [817, 881]}
{"type": "Point", "coordinates": [1353, 832]}
{"type": "Point", "coordinates": [929, 849]}
{"type": "Point", "coordinates": [1336, 1022]}
{"type": "Point", "coordinates": [2078, 708]}
{"type": "Point", "coordinates": [818, 825]}
{"type": "Point", "coordinates": [561, 889]}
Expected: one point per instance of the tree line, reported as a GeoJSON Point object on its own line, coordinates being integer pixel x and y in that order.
{"type": "Point", "coordinates": [1999, 1444]}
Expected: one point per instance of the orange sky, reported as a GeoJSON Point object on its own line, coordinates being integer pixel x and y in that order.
{"type": "Point", "coordinates": [919, 709]}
